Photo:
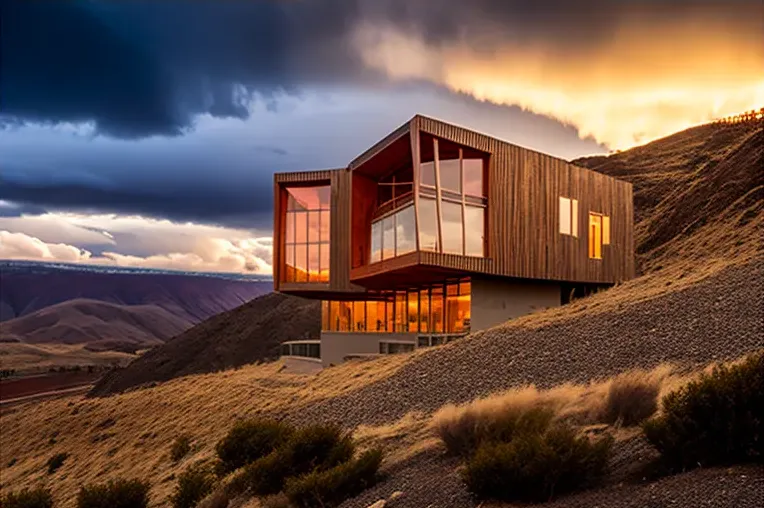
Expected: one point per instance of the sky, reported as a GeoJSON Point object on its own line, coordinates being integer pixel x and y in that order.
{"type": "Point", "coordinates": [146, 132]}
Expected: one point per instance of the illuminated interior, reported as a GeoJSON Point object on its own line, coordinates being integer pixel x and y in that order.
{"type": "Point", "coordinates": [440, 308]}
{"type": "Point", "coordinates": [599, 234]}
{"type": "Point", "coordinates": [306, 235]}
{"type": "Point", "coordinates": [451, 205]}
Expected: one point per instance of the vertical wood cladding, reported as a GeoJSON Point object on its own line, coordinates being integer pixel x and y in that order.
{"type": "Point", "coordinates": [363, 207]}
{"type": "Point", "coordinates": [339, 249]}
{"type": "Point", "coordinates": [524, 187]}
{"type": "Point", "coordinates": [522, 219]}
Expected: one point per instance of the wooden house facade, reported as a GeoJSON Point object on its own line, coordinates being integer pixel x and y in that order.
{"type": "Point", "coordinates": [433, 205]}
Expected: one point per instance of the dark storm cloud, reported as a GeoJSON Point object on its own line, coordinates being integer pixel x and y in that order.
{"type": "Point", "coordinates": [245, 203]}
{"type": "Point", "coordinates": [143, 68]}
{"type": "Point", "coordinates": [148, 67]}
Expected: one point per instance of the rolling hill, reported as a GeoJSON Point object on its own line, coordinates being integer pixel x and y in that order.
{"type": "Point", "coordinates": [28, 287]}
{"type": "Point", "coordinates": [250, 333]}
{"type": "Point", "coordinates": [697, 301]}
{"type": "Point", "coordinates": [101, 325]}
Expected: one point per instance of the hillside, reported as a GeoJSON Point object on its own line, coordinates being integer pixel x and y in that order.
{"type": "Point", "coordinates": [698, 301]}
{"type": "Point", "coordinates": [26, 288]}
{"type": "Point", "coordinates": [101, 325]}
{"type": "Point", "coordinates": [247, 334]}
{"type": "Point", "coordinates": [697, 194]}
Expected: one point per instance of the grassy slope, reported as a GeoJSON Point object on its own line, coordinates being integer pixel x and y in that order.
{"type": "Point", "coordinates": [40, 357]}
{"type": "Point", "coordinates": [130, 434]}
{"type": "Point", "coordinates": [249, 333]}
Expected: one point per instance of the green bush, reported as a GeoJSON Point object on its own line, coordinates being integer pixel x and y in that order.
{"type": "Point", "coordinates": [180, 447]}
{"type": "Point", "coordinates": [39, 497]}
{"type": "Point", "coordinates": [249, 440]}
{"type": "Point", "coordinates": [119, 493]}
{"type": "Point", "coordinates": [536, 466]}
{"type": "Point", "coordinates": [315, 447]}
{"type": "Point", "coordinates": [331, 487]}
{"type": "Point", "coordinates": [56, 461]}
{"type": "Point", "coordinates": [194, 484]}
{"type": "Point", "coordinates": [464, 434]}
{"type": "Point", "coordinates": [717, 419]}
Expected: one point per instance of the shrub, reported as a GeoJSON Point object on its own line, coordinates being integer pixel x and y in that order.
{"type": "Point", "coordinates": [464, 429]}
{"type": "Point", "coordinates": [249, 440]}
{"type": "Point", "coordinates": [39, 497]}
{"type": "Point", "coordinates": [119, 493]}
{"type": "Point", "coordinates": [56, 461]}
{"type": "Point", "coordinates": [332, 486]}
{"type": "Point", "coordinates": [536, 466]}
{"type": "Point", "coordinates": [194, 484]}
{"type": "Point", "coordinates": [632, 398]}
{"type": "Point", "coordinates": [716, 419]}
{"type": "Point", "coordinates": [315, 447]}
{"type": "Point", "coordinates": [180, 447]}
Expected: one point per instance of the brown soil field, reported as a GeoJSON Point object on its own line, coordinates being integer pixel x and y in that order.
{"type": "Point", "coordinates": [30, 385]}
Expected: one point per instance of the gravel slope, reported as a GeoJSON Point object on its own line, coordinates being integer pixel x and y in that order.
{"type": "Point", "coordinates": [720, 318]}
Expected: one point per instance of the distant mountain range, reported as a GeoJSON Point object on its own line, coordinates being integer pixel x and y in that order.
{"type": "Point", "coordinates": [112, 308]}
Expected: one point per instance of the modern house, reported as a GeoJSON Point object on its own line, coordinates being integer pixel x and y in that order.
{"type": "Point", "coordinates": [437, 231]}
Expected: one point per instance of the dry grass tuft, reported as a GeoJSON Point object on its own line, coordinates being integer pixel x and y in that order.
{"type": "Point", "coordinates": [632, 397]}
{"type": "Point", "coordinates": [627, 399]}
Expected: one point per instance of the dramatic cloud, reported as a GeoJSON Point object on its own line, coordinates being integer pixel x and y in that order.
{"type": "Point", "coordinates": [21, 246]}
{"type": "Point", "coordinates": [142, 68]}
{"type": "Point", "coordinates": [222, 173]}
{"type": "Point", "coordinates": [622, 72]}
{"type": "Point", "coordinates": [135, 242]}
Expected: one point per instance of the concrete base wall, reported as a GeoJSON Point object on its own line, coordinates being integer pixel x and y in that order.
{"type": "Point", "coordinates": [495, 301]}
{"type": "Point", "coordinates": [336, 345]}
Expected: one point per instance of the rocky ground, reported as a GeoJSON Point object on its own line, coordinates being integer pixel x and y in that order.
{"type": "Point", "coordinates": [721, 318]}
{"type": "Point", "coordinates": [432, 480]}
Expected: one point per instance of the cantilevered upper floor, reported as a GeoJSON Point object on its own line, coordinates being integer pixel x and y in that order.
{"type": "Point", "coordinates": [432, 202]}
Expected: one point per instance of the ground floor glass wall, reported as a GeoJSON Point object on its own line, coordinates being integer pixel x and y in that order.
{"type": "Point", "coordinates": [439, 308]}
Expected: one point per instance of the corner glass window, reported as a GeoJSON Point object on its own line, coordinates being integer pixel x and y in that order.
{"type": "Point", "coordinates": [306, 234]}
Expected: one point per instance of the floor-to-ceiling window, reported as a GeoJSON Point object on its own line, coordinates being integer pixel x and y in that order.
{"type": "Point", "coordinates": [451, 204]}
{"type": "Point", "coordinates": [434, 309]}
{"type": "Point", "coordinates": [452, 200]}
{"type": "Point", "coordinates": [306, 234]}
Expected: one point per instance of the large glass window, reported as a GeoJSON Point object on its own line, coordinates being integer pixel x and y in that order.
{"type": "Point", "coordinates": [428, 225]}
{"type": "Point", "coordinates": [413, 312]}
{"type": "Point", "coordinates": [376, 242]}
{"type": "Point", "coordinates": [450, 178]}
{"type": "Point", "coordinates": [405, 231]}
{"type": "Point", "coordinates": [306, 235]}
{"type": "Point", "coordinates": [393, 235]}
{"type": "Point", "coordinates": [473, 177]}
{"type": "Point", "coordinates": [388, 237]}
{"type": "Point", "coordinates": [424, 311]}
{"type": "Point", "coordinates": [458, 307]}
{"type": "Point", "coordinates": [436, 310]}
{"type": "Point", "coordinates": [474, 230]}
{"type": "Point", "coordinates": [452, 227]}
{"type": "Point", "coordinates": [401, 319]}
{"type": "Point", "coordinates": [439, 308]}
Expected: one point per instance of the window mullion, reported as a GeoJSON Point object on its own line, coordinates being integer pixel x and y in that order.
{"type": "Point", "coordinates": [436, 159]}
{"type": "Point", "coordinates": [464, 200]}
